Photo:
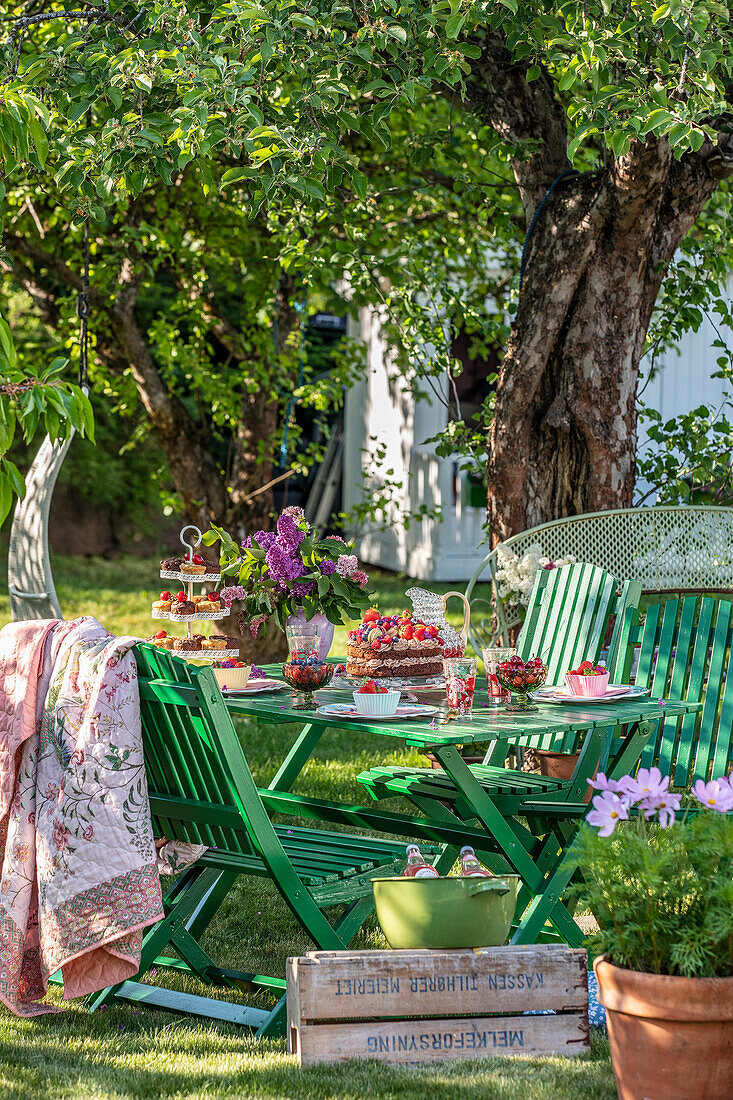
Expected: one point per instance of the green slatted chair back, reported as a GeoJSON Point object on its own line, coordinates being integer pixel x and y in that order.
{"type": "Point", "coordinates": [199, 781]}
{"type": "Point", "coordinates": [684, 652]}
{"type": "Point", "coordinates": [568, 616]}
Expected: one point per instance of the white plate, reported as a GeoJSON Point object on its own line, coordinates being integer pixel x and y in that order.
{"type": "Point", "coordinates": [407, 710]}
{"type": "Point", "coordinates": [255, 687]}
{"type": "Point", "coordinates": [619, 693]}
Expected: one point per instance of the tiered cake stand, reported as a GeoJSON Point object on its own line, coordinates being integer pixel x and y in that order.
{"type": "Point", "coordinates": [191, 579]}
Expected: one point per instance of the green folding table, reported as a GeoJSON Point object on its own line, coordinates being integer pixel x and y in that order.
{"type": "Point", "coordinates": [519, 822]}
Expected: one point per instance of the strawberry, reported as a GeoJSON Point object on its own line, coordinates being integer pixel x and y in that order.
{"type": "Point", "coordinates": [420, 634]}
{"type": "Point", "coordinates": [368, 688]}
{"type": "Point", "coordinates": [585, 666]}
{"type": "Point", "coordinates": [165, 595]}
{"type": "Point", "coordinates": [181, 597]}
{"type": "Point", "coordinates": [197, 559]}
{"type": "Point", "coordinates": [376, 643]}
{"type": "Point", "coordinates": [407, 631]}
{"type": "Point", "coordinates": [162, 634]}
{"type": "Point", "coordinates": [431, 631]}
{"type": "Point", "coordinates": [371, 615]}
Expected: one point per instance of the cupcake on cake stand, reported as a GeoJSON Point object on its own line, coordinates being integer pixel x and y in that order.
{"type": "Point", "coordinates": [186, 607]}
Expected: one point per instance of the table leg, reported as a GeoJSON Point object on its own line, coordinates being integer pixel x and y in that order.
{"type": "Point", "coordinates": [297, 758]}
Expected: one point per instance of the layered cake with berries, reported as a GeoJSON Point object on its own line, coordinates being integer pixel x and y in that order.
{"type": "Point", "coordinates": [394, 645]}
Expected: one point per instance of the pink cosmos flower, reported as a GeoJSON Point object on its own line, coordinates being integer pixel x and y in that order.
{"type": "Point", "coordinates": [648, 784]}
{"type": "Point", "coordinates": [665, 805]}
{"type": "Point", "coordinates": [600, 783]}
{"type": "Point", "coordinates": [608, 810]}
{"type": "Point", "coordinates": [715, 795]}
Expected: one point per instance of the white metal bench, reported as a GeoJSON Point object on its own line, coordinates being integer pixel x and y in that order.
{"type": "Point", "coordinates": [666, 548]}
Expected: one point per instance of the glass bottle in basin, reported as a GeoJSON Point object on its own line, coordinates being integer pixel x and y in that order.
{"type": "Point", "coordinates": [471, 867]}
{"type": "Point", "coordinates": [416, 865]}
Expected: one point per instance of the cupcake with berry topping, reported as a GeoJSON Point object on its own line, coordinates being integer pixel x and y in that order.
{"type": "Point", "coordinates": [394, 646]}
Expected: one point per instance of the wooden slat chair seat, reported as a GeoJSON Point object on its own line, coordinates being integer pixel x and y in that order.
{"type": "Point", "coordinates": [683, 650]}
{"type": "Point", "coordinates": [202, 791]}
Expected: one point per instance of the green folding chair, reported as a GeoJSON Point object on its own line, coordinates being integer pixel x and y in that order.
{"type": "Point", "coordinates": [682, 648]}
{"type": "Point", "coordinates": [533, 817]}
{"type": "Point", "coordinates": [202, 791]}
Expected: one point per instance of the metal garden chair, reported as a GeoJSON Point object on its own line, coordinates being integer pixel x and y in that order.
{"type": "Point", "coordinates": [665, 548]}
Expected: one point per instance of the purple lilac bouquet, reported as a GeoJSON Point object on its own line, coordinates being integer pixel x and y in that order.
{"type": "Point", "coordinates": [277, 573]}
{"type": "Point", "coordinates": [658, 874]}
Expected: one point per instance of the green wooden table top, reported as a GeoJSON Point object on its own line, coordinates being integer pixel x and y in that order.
{"type": "Point", "coordinates": [486, 724]}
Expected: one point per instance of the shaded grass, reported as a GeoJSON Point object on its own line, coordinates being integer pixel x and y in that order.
{"type": "Point", "coordinates": [125, 1051]}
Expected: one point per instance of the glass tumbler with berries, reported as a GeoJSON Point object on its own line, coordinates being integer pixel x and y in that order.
{"type": "Point", "coordinates": [460, 684]}
{"type": "Point", "coordinates": [520, 678]}
{"type": "Point", "coordinates": [304, 670]}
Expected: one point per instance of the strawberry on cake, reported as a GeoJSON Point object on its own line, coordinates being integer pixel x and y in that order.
{"type": "Point", "coordinates": [394, 645]}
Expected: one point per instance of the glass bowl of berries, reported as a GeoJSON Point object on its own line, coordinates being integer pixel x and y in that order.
{"type": "Point", "coordinates": [521, 678]}
{"type": "Point", "coordinates": [587, 679]}
{"type": "Point", "coordinates": [305, 676]}
{"type": "Point", "coordinates": [376, 701]}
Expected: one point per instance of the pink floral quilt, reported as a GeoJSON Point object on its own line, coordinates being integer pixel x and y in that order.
{"type": "Point", "coordinates": [79, 879]}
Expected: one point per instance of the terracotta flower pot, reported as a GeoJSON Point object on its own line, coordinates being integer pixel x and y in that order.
{"type": "Point", "coordinates": [671, 1038]}
{"type": "Point", "coordinates": [560, 765]}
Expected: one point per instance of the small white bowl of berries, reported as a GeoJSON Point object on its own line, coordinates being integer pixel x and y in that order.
{"type": "Point", "coordinates": [375, 701]}
{"type": "Point", "coordinates": [231, 675]}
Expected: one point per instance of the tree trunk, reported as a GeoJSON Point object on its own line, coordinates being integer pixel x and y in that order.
{"type": "Point", "coordinates": [563, 437]}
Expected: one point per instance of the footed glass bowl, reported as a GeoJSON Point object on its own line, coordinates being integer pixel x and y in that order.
{"type": "Point", "coordinates": [305, 677]}
{"type": "Point", "coordinates": [521, 682]}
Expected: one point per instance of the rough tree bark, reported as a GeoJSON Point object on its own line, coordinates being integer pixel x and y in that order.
{"type": "Point", "coordinates": [563, 437]}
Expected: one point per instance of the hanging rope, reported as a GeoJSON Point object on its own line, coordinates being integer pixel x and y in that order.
{"type": "Point", "coordinates": [301, 308]}
{"type": "Point", "coordinates": [82, 310]}
{"type": "Point", "coordinates": [538, 211]}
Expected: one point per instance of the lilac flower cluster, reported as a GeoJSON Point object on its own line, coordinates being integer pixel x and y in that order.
{"type": "Point", "coordinates": [282, 562]}
{"type": "Point", "coordinates": [256, 623]}
{"type": "Point", "coordinates": [649, 792]}
{"type": "Point", "coordinates": [289, 535]}
{"type": "Point", "coordinates": [328, 567]}
{"type": "Point", "coordinates": [346, 565]}
{"type": "Point", "coordinates": [256, 673]}
{"type": "Point", "coordinates": [229, 595]}
{"type": "Point", "coordinates": [264, 539]}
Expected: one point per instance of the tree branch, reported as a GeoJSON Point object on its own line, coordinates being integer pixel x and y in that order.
{"type": "Point", "coordinates": [528, 114]}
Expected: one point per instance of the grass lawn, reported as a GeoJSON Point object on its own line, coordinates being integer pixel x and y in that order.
{"type": "Point", "coordinates": [128, 1052]}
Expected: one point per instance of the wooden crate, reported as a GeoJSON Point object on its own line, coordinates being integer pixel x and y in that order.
{"type": "Point", "coordinates": [427, 1006]}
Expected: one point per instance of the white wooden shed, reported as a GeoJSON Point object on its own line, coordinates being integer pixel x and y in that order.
{"type": "Point", "coordinates": [380, 410]}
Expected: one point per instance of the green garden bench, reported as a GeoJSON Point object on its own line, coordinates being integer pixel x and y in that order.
{"type": "Point", "coordinates": [202, 791]}
{"type": "Point", "coordinates": [667, 549]}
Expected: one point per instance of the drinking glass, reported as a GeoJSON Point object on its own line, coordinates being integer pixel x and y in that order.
{"type": "Point", "coordinates": [498, 695]}
{"type": "Point", "coordinates": [303, 642]}
{"type": "Point", "coordinates": [460, 683]}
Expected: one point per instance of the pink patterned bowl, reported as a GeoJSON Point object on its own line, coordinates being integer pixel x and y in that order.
{"type": "Point", "coordinates": [587, 685]}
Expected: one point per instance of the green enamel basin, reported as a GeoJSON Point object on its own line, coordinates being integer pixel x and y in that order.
{"type": "Point", "coordinates": [446, 912]}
